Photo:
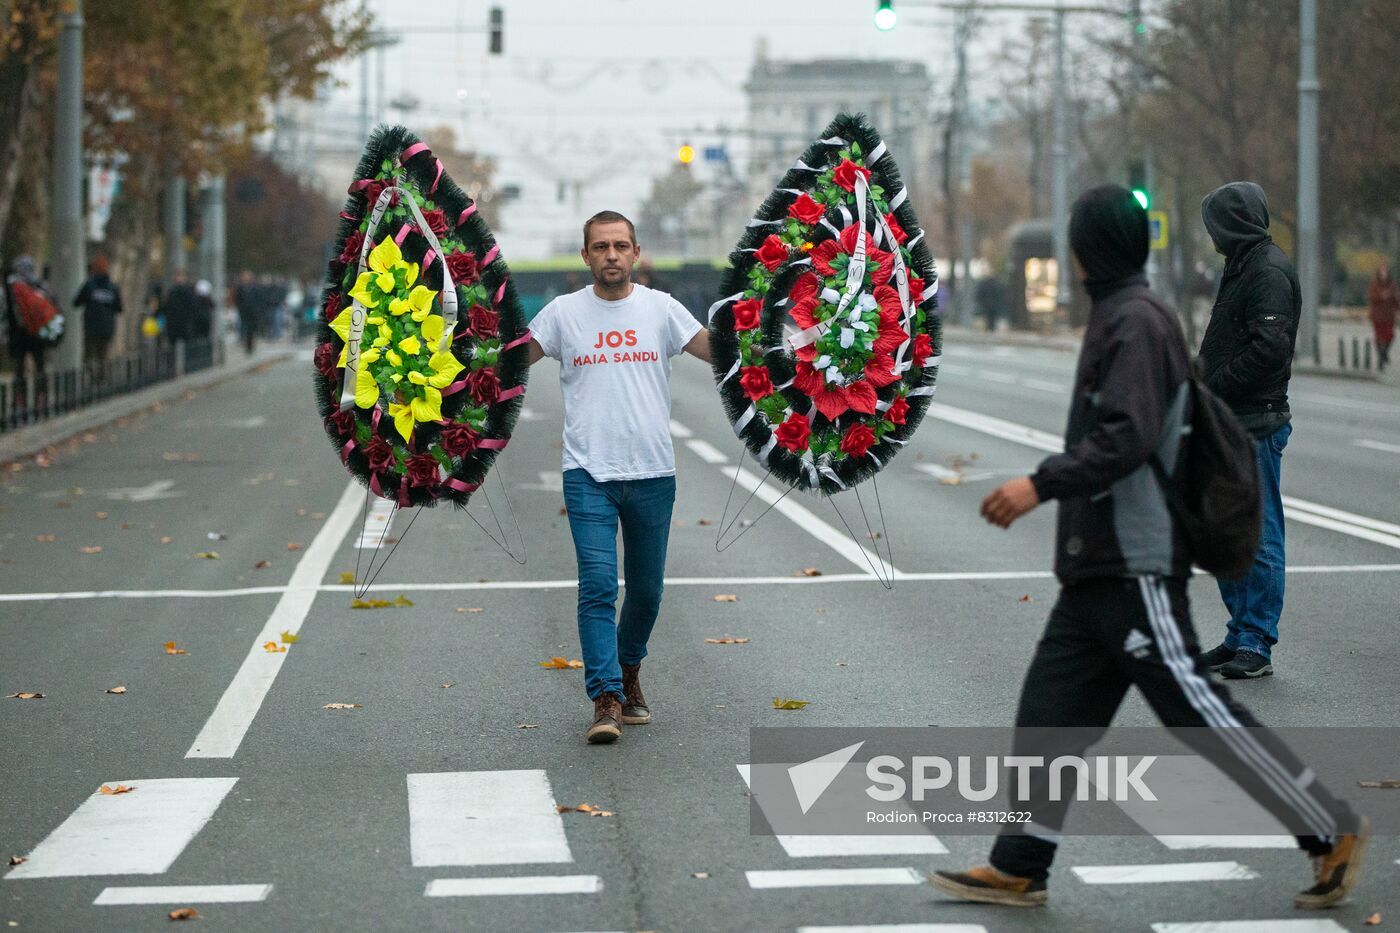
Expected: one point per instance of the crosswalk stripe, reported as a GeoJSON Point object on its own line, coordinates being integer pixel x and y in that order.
{"type": "Point", "coordinates": [1252, 926]}
{"type": "Point", "coordinates": [1147, 874]}
{"type": "Point", "coordinates": [831, 846]}
{"type": "Point", "coordinates": [532, 884]}
{"type": "Point", "coordinates": [1228, 842]}
{"type": "Point", "coordinates": [136, 833]}
{"type": "Point", "coordinates": [186, 894]}
{"type": "Point", "coordinates": [900, 928]}
{"type": "Point", "coordinates": [377, 524]}
{"type": "Point", "coordinates": [831, 877]}
{"type": "Point", "coordinates": [484, 818]}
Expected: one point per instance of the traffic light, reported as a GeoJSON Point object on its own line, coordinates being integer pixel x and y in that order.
{"type": "Point", "coordinates": [686, 154]}
{"type": "Point", "coordinates": [1137, 182]}
{"type": "Point", "coordinates": [885, 17]}
{"type": "Point", "coordinates": [497, 30]}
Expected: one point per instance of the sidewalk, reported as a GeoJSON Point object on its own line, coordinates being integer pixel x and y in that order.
{"type": "Point", "coordinates": [35, 438]}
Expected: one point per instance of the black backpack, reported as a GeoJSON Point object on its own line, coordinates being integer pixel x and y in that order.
{"type": "Point", "coordinates": [1217, 501]}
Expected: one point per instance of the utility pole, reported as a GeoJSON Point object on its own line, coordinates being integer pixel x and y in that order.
{"type": "Point", "coordinates": [962, 276]}
{"type": "Point", "coordinates": [174, 211]}
{"type": "Point", "coordinates": [1059, 193]}
{"type": "Point", "coordinates": [213, 256]}
{"type": "Point", "coordinates": [1308, 258]}
{"type": "Point", "coordinates": [67, 235]}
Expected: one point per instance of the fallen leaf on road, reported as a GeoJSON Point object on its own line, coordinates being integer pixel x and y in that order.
{"type": "Point", "coordinates": [119, 789]}
{"type": "Point", "coordinates": [271, 647]}
{"type": "Point", "coordinates": [470, 609]}
{"type": "Point", "coordinates": [562, 664]}
{"type": "Point", "coordinates": [318, 515]}
{"type": "Point", "coordinates": [262, 565]}
{"type": "Point", "coordinates": [346, 577]}
{"type": "Point", "coordinates": [18, 859]}
{"type": "Point", "coordinates": [127, 525]}
{"type": "Point", "coordinates": [402, 601]}
{"type": "Point", "coordinates": [46, 537]}
{"type": "Point", "coordinates": [289, 639]}
{"type": "Point", "coordinates": [217, 536]}
{"type": "Point", "coordinates": [450, 683]}
{"type": "Point", "coordinates": [840, 663]}
{"type": "Point", "coordinates": [808, 572]}
{"type": "Point", "coordinates": [301, 513]}
{"type": "Point", "coordinates": [101, 516]}
{"type": "Point", "coordinates": [294, 545]}
{"type": "Point", "coordinates": [528, 725]}
{"type": "Point", "coordinates": [184, 913]}
{"type": "Point", "coordinates": [874, 535]}
{"type": "Point", "coordinates": [779, 703]}
{"type": "Point", "coordinates": [208, 555]}
{"type": "Point", "coordinates": [727, 640]}
{"type": "Point", "coordinates": [1026, 599]}
{"type": "Point", "coordinates": [583, 808]}
{"type": "Point", "coordinates": [166, 539]}
{"type": "Point", "coordinates": [954, 480]}
{"type": "Point", "coordinates": [726, 598]}
{"type": "Point", "coordinates": [1388, 785]}
{"type": "Point", "coordinates": [702, 875]}
{"type": "Point", "coordinates": [705, 521]}
{"type": "Point", "coordinates": [171, 649]}
{"type": "Point", "coordinates": [94, 549]}
{"type": "Point", "coordinates": [116, 689]}
{"type": "Point", "coordinates": [1374, 920]}
{"type": "Point", "coordinates": [24, 696]}
{"type": "Point", "coordinates": [343, 706]}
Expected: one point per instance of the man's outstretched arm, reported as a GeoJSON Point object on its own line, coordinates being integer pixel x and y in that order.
{"type": "Point", "coordinates": [536, 351]}
{"type": "Point", "coordinates": [699, 346]}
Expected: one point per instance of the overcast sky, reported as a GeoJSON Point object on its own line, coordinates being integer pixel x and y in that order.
{"type": "Point", "coordinates": [602, 92]}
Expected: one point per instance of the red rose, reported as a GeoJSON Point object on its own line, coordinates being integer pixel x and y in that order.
{"type": "Point", "coordinates": [805, 210]}
{"type": "Point", "coordinates": [916, 291]}
{"type": "Point", "coordinates": [773, 252]}
{"type": "Point", "coordinates": [485, 385]}
{"type": "Point", "coordinates": [353, 243]}
{"type": "Point", "coordinates": [899, 410]}
{"type": "Point", "coordinates": [332, 307]}
{"type": "Point", "coordinates": [857, 440]}
{"type": "Point", "coordinates": [458, 440]}
{"type": "Point", "coordinates": [748, 313]}
{"type": "Point", "coordinates": [807, 381]}
{"type": "Point", "coordinates": [922, 349]}
{"type": "Point", "coordinates": [344, 422]}
{"type": "Point", "coordinates": [463, 268]}
{"type": "Point", "coordinates": [483, 321]}
{"type": "Point", "coordinates": [380, 454]}
{"type": "Point", "coordinates": [846, 172]}
{"type": "Point", "coordinates": [899, 235]}
{"type": "Point", "coordinates": [793, 433]}
{"type": "Point", "coordinates": [421, 470]}
{"type": "Point", "coordinates": [326, 356]}
{"type": "Point", "coordinates": [375, 189]}
{"type": "Point", "coordinates": [822, 254]}
{"type": "Point", "coordinates": [436, 221]}
{"type": "Point", "coordinates": [755, 381]}
{"type": "Point", "coordinates": [806, 286]}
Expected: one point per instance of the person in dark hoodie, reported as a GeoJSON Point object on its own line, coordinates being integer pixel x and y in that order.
{"type": "Point", "coordinates": [1122, 618]}
{"type": "Point", "coordinates": [1246, 358]}
{"type": "Point", "coordinates": [101, 302]}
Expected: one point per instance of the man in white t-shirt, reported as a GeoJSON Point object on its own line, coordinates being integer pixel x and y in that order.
{"type": "Point", "coordinates": [614, 341]}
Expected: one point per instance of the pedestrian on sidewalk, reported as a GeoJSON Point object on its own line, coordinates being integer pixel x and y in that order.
{"type": "Point", "coordinates": [101, 301]}
{"type": "Point", "coordinates": [1246, 358]}
{"type": "Point", "coordinates": [247, 298]}
{"type": "Point", "coordinates": [1384, 303]}
{"type": "Point", "coordinates": [26, 347]}
{"type": "Point", "coordinates": [614, 341]}
{"type": "Point", "coordinates": [180, 308]}
{"type": "Point", "coordinates": [1122, 618]}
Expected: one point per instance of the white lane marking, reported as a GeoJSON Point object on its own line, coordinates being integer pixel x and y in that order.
{"type": "Point", "coordinates": [550, 481]}
{"type": "Point", "coordinates": [956, 478]}
{"type": "Point", "coordinates": [1228, 842]}
{"type": "Point", "coordinates": [1251, 926]}
{"type": "Point", "coordinates": [900, 928]}
{"type": "Point", "coordinates": [224, 731]}
{"type": "Point", "coordinates": [1147, 874]}
{"type": "Point", "coordinates": [680, 430]}
{"type": "Point", "coordinates": [484, 818]}
{"type": "Point", "coordinates": [833, 846]}
{"type": "Point", "coordinates": [1352, 404]}
{"type": "Point", "coordinates": [938, 471]}
{"type": "Point", "coordinates": [160, 489]}
{"type": "Point", "coordinates": [992, 375]}
{"type": "Point", "coordinates": [706, 451]}
{"type": "Point", "coordinates": [138, 833]}
{"type": "Point", "coordinates": [377, 524]}
{"type": "Point", "coordinates": [256, 421]}
{"type": "Point", "coordinates": [829, 578]}
{"type": "Point", "coordinates": [1044, 385]}
{"type": "Point", "coordinates": [186, 894]}
{"type": "Point", "coordinates": [1309, 513]}
{"type": "Point", "coordinates": [830, 877]}
{"type": "Point", "coordinates": [532, 884]}
{"type": "Point", "coordinates": [1377, 445]}
{"type": "Point", "coordinates": [838, 541]}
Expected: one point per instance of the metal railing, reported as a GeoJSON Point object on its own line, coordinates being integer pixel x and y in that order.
{"type": "Point", "coordinates": [51, 394]}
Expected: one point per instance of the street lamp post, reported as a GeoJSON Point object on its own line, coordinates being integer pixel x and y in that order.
{"type": "Point", "coordinates": [1309, 262]}
{"type": "Point", "coordinates": [67, 259]}
{"type": "Point", "coordinates": [1059, 187]}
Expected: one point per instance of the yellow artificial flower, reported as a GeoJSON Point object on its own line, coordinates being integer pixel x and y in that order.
{"type": "Point", "coordinates": [417, 378]}
{"type": "Point", "coordinates": [361, 292]}
{"type": "Point", "coordinates": [420, 300]}
{"type": "Point", "coordinates": [428, 408]}
{"type": "Point", "coordinates": [394, 359]}
{"type": "Point", "coordinates": [385, 281]}
{"type": "Point", "coordinates": [445, 367]}
{"type": "Point", "coordinates": [384, 256]}
{"type": "Point", "coordinates": [366, 389]}
{"type": "Point", "coordinates": [432, 331]}
{"type": "Point", "coordinates": [403, 419]}
{"type": "Point", "coordinates": [411, 345]}
{"type": "Point", "coordinates": [341, 325]}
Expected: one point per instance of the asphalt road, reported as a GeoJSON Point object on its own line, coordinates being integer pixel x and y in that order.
{"type": "Point", "coordinates": [241, 777]}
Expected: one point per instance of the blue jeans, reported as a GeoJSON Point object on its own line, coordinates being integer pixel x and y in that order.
{"type": "Point", "coordinates": [1255, 601]}
{"type": "Point", "coordinates": [643, 508]}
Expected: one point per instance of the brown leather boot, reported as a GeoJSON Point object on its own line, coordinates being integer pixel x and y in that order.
{"type": "Point", "coordinates": [1335, 874]}
{"type": "Point", "coordinates": [985, 885]}
{"type": "Point", "coordinates": [607, 720]}
{"type": "Point", "coordinates": [634, 705]}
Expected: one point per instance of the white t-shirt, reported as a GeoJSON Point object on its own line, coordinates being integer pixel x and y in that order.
{"type": "Point", "coordinates": [615, 372]}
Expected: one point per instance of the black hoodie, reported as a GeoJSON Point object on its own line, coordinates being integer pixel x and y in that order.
{"type": "Point", "coordinates": [1247, 352]}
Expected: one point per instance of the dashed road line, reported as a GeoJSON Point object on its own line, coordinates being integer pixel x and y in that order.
{"type": "Point", "coordinates": [707, 451]}
{"type": "Point", "coordinates": [531, 884]}
{"type": "Point", "coordinates": [1252, 926]}
{"type": "Point", "coordinates": [1153, 874]}
{"type": "Point", "coordinates": [1377, 445]}
{"type": "Point", "coordinates": [830, 877]}
{"type": "Point", "coordinates": [377, 524]}
{"type": "Point", "coordinates": [185, 894]}
{"type": "Point", "coordinates": [1228, 842]}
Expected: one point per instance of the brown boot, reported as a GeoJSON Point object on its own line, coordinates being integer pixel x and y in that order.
{"type": "Point", "coordinates": [1336, 872]}
{"type": "Point", "coordinates": [607, 720]}
{"type": "Point", "coordinates": [986, 885]}
{"type": "Point", "coordinates": [634, 705]}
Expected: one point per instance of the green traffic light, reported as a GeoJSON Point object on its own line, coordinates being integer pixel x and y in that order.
{"type": "Point", "coordinates": [1142, 198]}
{"type": "Point", "coordinates": [885, 16]}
